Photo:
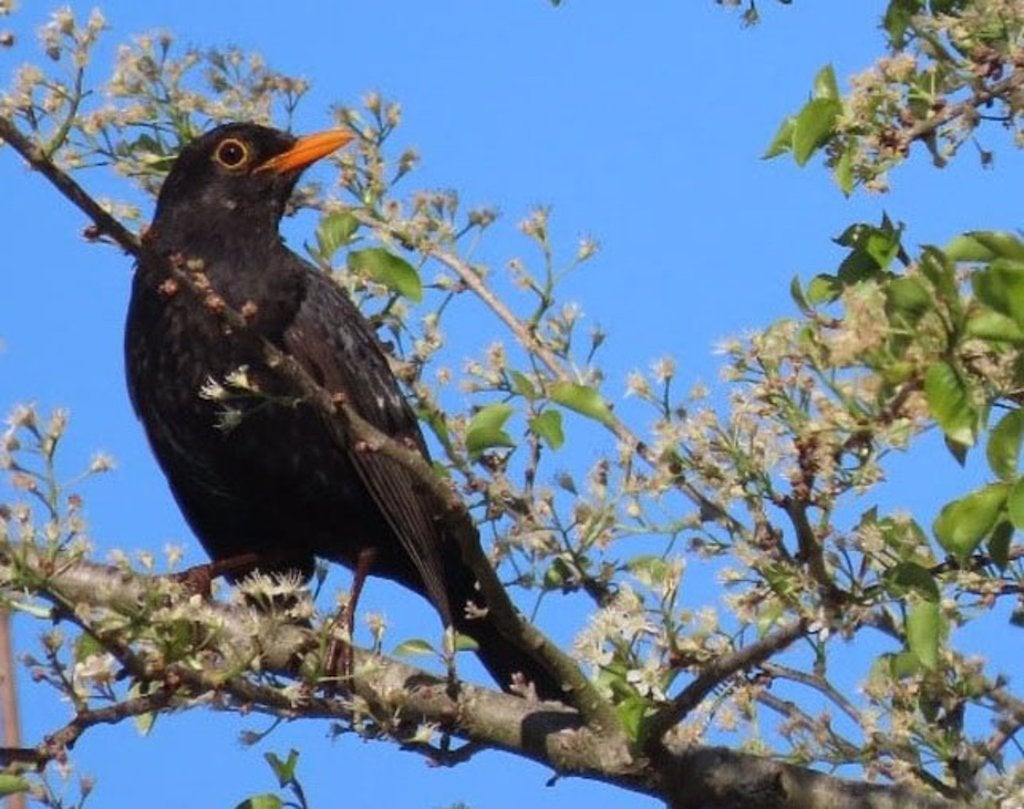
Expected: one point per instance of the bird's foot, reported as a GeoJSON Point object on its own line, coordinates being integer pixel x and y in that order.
{"type": "Point", "coordinates": [198, 579]}
{"type": "Point", "coordinates": [339, 663]}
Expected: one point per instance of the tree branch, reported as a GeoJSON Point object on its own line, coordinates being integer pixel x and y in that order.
{"type": "Point", "coordinates": [37, 159]}
{"type": "Point", "coordinates": [819, 684]}
{"type": "Point", "coordinates": [924, 129]}
{"type": "Point", "coordinates": [56, 744]}
{"type": "Point", "coordinates": [549, 733]}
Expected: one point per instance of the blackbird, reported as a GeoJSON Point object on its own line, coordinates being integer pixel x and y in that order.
{"type": "Point", "coordinates": [261, 473]}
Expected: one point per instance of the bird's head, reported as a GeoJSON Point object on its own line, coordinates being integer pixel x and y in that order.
{"type": "Point", "coordinates": [238, 177]}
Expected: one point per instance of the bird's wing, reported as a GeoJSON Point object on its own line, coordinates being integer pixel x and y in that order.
{"type": "Point", "coordinates": [335, 344]}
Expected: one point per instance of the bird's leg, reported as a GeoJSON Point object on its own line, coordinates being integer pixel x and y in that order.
{"type": "Point", "coordinates": [339, 663]}
{"type": "Point", "coordinates": [198, 578]}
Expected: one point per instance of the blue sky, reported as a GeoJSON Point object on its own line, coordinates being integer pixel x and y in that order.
{"type": "Point", "coordinates": [639, 123]}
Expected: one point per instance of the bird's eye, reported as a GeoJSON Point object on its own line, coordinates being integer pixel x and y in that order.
{"type": "Point", "coordinates": [231, 153]}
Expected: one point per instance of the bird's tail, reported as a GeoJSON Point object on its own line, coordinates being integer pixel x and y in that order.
{"type": "Point", "coordinates": [500, 657]}
{"type": "Point", "coordinates": [506, 663]}
{"type": "Point", "coordinates": [457, 586]}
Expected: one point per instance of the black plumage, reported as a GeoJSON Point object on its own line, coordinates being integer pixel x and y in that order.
{"type": "Point", "coordinates": [276, 481]}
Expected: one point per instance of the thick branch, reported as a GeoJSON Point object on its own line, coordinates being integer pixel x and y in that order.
{"type": "Point", "coordinates": [717, 777]}
{"type": "Point", "coordinates": [549, 733]}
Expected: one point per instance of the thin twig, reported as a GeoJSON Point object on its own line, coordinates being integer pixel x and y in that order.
{"type": "Point", "coordinates": [793, 713]}
{"type": "Point", "coordinates": [718, 671]}
{"type": "Point", "coordinates": [36, 157]}
{"type": "Point", "coordinates": [849, 751]}
{"type": "Point", "coordinates": [56, 744]}
{"type": "Point", "coordinates": [925, 128]}
{"type": "Point", "coordinates": [819, 684]}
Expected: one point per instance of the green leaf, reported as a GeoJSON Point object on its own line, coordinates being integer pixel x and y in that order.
{"type": "Point", "coordinates": [906, 538]}
{"type": "Point", "coordinates": [963, 524]}
{"type": "Point", "coordinates": [335, 230]}
{"type": "Point", "coordinates": [999, 244]}
{"type": "Point", "coordinates": [557, 574]}
{"type": "Point", "coordinates": [813, 127]}
{"type": "Point", "coordinates": [928, 706]}
{"type": "Point", "coordinates": [631, 712]}
{"type": "Point", "coordinates": [414, 647]}
{"type": "Point", "coordinates": [1015, 505]}
{"type": "Point", "coordinates": [950, 403]}
{"type": "Point", "coordinates": [999, 544]}
{"type": "Point", "coordinates": [988, 324]}
{"type": "Point", "coordinates": [897, 20]}
{"type": "Point", "coordinates": [548, 426]}
{"type": "Point", "coordinates": [823, 289]}
{"type": "Point", "coordinates": [385, 268]}
{"type": "Point", "coordinates": [649, 568]}
{"type": "Point", "coordinates": [872, 250]}
{"type": "Point", "coordinates": [908, 577]}
{"type": "Point", "coordinates": [264, 801]}
{"type": "Point", "coordinates": [12, 784]}
{"type": "Point", "coordinates": [883, 242]}
{"type": "Point", "coordinates": [768, 617]}
{"type": "Point", "coordinates": [485, 428]}
{"type": "Point", "coordinates": [464, 643]}
{"type": "Point", "coordinates": [937, 267]}
{"type": "Point", "coordinates": [783, 140]}
{"type": "Point", "coordinates": [966, 248]}
{"type": "Point", "coordinates": [908, 296]}
{"type": "Point", "coordinates": [1001, 286]}
{"type": "Point", "coordinates": [904, 664]}
{"type": "Point", "coordinates": [825, 85]}
{"type": "Point", "coordinates": [86, 646]}
{"type": "Point", "coordinates": [1003, 450]}
{"type": "Point", "coordinates": [892, 666]}
{"type": "Point", "coordinates": [583, 399]}
{"type": "Point", "coordinates": [924, 632]}
{"type": "Point", "coordinates": [522, 385]}
{"type": "Point", "coordinates": [843, 172]}
{"type": "Point", "coordinates": [144, 722]}
{"type": "Point", "coordinates": [796, 292]}
{"type": "Point", "coordinates": [284, 770]}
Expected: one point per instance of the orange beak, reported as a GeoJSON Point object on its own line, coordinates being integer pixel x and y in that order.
{"type": "Point", "coordinates": [307, 150]}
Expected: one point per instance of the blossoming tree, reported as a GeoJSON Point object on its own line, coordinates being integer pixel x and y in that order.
{"type": "Point", "coordinates": [769, 485]}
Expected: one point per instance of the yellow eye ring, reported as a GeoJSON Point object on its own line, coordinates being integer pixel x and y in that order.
{"type": "Point", "coordinates": [231, 153]}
